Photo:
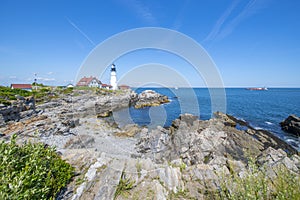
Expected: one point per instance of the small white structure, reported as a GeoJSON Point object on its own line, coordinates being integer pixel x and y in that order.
{"type": "Point", "coordinates": [70, 85]}
{"type": "Point", "coordinates": [113, 77]}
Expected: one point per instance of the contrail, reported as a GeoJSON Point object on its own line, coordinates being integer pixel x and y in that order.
{"type": "Point", "coordinates": [78, 29]}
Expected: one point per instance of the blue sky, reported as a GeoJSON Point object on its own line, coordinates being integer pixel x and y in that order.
{"type": "Point", "coordinates": [253, 43]}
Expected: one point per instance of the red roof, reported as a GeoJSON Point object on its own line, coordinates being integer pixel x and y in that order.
{"type": "Point", "coordinates": [106, 85]}
{"type": "Point", "coordinates": [21, 86]}
{"type": "Point", "coordinates": [127, 86]}
{"type": "Point", "coordinates": [86, 80]}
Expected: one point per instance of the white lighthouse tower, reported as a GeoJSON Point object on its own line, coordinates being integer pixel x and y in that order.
{"type": "Point", "coordinates": [113, 77]}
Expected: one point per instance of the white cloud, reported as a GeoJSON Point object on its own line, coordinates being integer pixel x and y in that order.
{"type": "Point", "coordinates": [68, 81]}
{"type": "Point", "coordinates": [80, 31]}
{"type": "Point", "coordinates": [45, 79]}
{"type": "Point", "coordinates": [49, 73]}
{"type": "Point", "coordinates": [217, 27]}
{"type": "Point", "coordinates": [12, 77]}
{"type": "Point", "coordinates": [141, 11]}
{"type": "Point", "coordinates": [225, 27]}
{"type": "Point", "coordinates": [180, 16]}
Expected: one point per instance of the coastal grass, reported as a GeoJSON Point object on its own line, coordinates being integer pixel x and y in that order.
{"type": "Point", "coordinates": [31, 171]}
{"type": "Point", "coordinates": [125, 184]}
{"type": "Point", "coordinates": [255, 184]}
{"type": "Point", "coordinates": [7, 93]}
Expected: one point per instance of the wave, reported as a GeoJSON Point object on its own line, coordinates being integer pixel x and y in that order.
{"type": "Point", "coordinates": [258, 128]}
{"type": "Point", "coordinates": [269, 123]}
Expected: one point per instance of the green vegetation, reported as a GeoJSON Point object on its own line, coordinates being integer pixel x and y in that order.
{"type": "Point", "coordinates": [138, 166]}
{"type": "Point", "coordinates": [125, 184]}
{"type": "Point", "coordinates": [256, 185]}
{"type": "Point", "coordinates": [38, 84]}
{"type": "Point", "coordinates": [181, 194]}
{"type": "Point", "coordinates": [67, 90]}
{"type": "Point", "coordinates": [31, 171]}
{"type": "Point", "coordinates": [7, 93]}
{"type": "Point", "coordinates": [44, 93]}
{"type": "Point", "coordinates": [182, 166]}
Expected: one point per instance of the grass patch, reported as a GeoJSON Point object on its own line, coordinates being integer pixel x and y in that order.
{"type": "Point", "coordinates": [139, 169]}
{"type": "Point", "coordinates": [256, 185]}
{"type": "Point", "coordinates": [31, 171]}
{"type": "Point", "coordinates": [7, 93]}
{"type": "Point", "coordinates": [181, 194]}
{"type": "Point", "coordinates": [125, 184]}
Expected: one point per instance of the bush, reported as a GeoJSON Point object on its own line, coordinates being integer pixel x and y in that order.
{"type": "Point", "coordinates": [31, 171]}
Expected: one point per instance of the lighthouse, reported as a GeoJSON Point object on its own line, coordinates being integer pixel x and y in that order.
{"type": "Point", "coordinates": [113, 77]}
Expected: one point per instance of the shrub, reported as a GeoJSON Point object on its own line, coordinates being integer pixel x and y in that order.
{"type": "Point", "coordinates": [256, 185]}
{"type": "Point", "coordinates": [31, 171]}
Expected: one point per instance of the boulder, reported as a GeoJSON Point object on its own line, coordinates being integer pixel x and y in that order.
{"type": "Point", "coordinates": [104, 114]}
{"type": "Point", "coordinates": [291, 125]}
{"type": "Point", "coordinates": [225, 118]}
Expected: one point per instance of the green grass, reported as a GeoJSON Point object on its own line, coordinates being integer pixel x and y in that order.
{"type": "Point", "coordinates": [256, 185]}
{"type": "Point", "coordinates": [7, 93]}
{"type": "Point", "coordinates": [138, 166]}
{"type": "Point", "coordinates": [31, 171]}
{"type": "Point", "coordinates": [125, 184]}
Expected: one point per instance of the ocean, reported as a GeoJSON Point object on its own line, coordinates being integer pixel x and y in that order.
{"type": "Point", "coordinates": [261, 109]}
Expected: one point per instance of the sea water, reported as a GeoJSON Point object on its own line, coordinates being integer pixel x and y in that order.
{"type": "Point", "coordinates": [261, 109]}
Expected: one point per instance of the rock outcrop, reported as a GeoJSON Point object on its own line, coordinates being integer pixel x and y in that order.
{"type": "Point", "coordinates": [291, 125]}
{"type": "Point", "coordinates": [149, 98]}
{"type": "Point", "coordinates": [22, 107]}
{"type": "Point", "coordinates": [199, 142]}
{"type": "Point", "coordinates": [184, 161]}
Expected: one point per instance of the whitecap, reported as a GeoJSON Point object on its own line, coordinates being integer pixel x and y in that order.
{"type": "Point", "coordinates": [269, 123]}
{"type": "Point", "coordinates": [258, 128]}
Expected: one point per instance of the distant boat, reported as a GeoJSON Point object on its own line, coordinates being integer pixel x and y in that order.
{"type": "Point", "coordinates": [257, 88]}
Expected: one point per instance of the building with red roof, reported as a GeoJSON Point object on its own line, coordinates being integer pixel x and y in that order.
{"type": "Point", "coordinates": [27, 87]}
{"type": "Point", "coordinates": [89, 82]}
{"type": "Point", "coordinates": [106, 86]}
{"type": "Point", "coordinates": [124, 87]}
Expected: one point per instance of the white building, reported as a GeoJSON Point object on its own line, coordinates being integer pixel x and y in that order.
{"type": "Point", "coordinates": [89, 81]}
{"type": "Point", "coordinates": [113, 77]}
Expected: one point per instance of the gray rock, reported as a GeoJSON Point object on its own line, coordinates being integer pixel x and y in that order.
{"type": "Point", "coordinates": [71, 123]}
{"type": "Point", "coordinates": [171, 178]}
{"type": "Point", "coordinates": [79, 142]}
{"type": "Point", "coordinates": [148, 98]}
{"type": "Point", "coordinates": [2, 121]}
{"type": "Point", "coordinates": [291, 125]}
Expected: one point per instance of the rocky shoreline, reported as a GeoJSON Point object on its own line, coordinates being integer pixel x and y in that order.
{"type": "Point", "coordinates": [184, 161]}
